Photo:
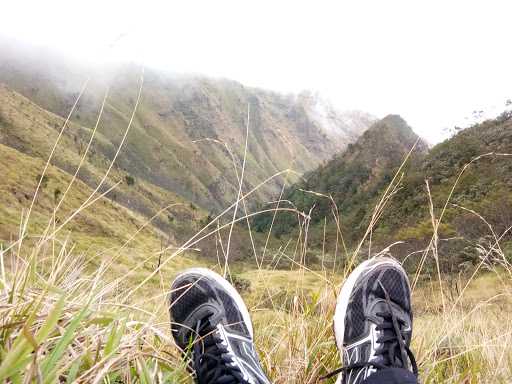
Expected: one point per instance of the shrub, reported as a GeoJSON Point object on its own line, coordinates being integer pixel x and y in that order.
{"type": "Point", "coordinates": [240, 283]}
{"type": "Point", "coordinates": [44, 180]}
{"type": "Point", "coordinates": [56, 193]}
{"type": "Point", "coordinates": [129, 180]}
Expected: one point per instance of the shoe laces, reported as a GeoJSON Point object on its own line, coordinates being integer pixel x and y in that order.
{"type": "Point", "coordinates": [393, 351]}
{"type": "Point", "coordinates": [212, 360]}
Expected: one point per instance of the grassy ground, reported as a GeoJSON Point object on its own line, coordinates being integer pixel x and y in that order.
{"type": "Point", "coordinates": [98, 314]}
{"type": "Point", "coordinates": [63, 321]}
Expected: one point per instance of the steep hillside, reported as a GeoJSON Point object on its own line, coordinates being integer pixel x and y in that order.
{"type": "Point", "coordinates": [32, 130]}
{"type": "Point", "coordinates": [103, 223]}
{"type": "Point", "coordinates": [484, 189]}
{"type": "Point", "coordinates": [166, 145]}
{"type": "Point", "coordinates": [353, 179]}
{"type": "Point", "coordinates": [469, 177]}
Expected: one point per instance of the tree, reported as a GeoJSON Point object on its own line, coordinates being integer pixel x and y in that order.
{"type": "Point", "coordinates": [56, 193]}
{"type": "Point", "coordinates": [44, 180]}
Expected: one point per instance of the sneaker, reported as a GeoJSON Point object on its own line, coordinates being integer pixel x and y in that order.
{"type": "Point", "coordinates": [211, 325]}
{"type": "Point", "coordinates": [373, 322]}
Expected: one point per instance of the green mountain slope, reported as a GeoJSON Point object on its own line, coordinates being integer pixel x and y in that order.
{"type": "Point", "coordinates": [31, 130]}
{"type": "Point", "coordinates": [354, 179]}
{"type": "Point", "coordinates": [105, 222]}
{"type": "Point", "coordinates": [484, 188]}
{"type": "Point", "coordinates": [469, 177]}
{"type": "Point", "coordinates": [166, 145]}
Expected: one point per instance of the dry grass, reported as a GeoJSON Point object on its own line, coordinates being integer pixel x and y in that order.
{"type": "Point", "coordinates": [63, 321]}
{"type": "Point", "coordinates": [58, 321]}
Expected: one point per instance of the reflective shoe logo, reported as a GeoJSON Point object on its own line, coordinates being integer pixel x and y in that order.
{"type": "Point", "coordinates": [361, 351]}
{"type": "Point", "coordinates": [246, 359]}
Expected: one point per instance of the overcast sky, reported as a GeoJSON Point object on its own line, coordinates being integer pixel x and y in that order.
{"type": "Point", "coordinates": [433, 62]}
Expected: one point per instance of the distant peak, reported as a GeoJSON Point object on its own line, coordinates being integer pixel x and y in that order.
{"type": "Point", "coordinates": [393, 129]}
{"type": "Point", "coordinates": [394, 119]}
{"type": "Point", "coordinates": [393, 122]}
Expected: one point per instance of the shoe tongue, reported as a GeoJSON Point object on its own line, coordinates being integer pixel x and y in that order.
{"type": "Point", "coordinates": [204, 313]}
{"type": "Point", "coordinates": [381, 306]}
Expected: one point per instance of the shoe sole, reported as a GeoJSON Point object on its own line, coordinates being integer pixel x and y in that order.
{"type": "Point", "coordinates": [209, 274]}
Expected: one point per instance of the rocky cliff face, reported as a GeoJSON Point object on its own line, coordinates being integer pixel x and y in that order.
{"type": "Point", "coordinates": [343, 126]}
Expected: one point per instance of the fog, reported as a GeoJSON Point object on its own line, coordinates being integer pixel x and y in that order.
{"type": "Point", "coordinates": [433, 62]}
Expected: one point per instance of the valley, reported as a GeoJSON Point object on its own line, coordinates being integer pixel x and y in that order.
{"type": "Point", "coordinates": [110, 186]}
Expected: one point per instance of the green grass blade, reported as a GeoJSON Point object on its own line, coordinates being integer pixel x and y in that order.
{"type": "Point", "coordinates": [16, 359]}
{"type": "Point", "coordinates": [50, 363]}
{"type": "Point", "coordinates": [73, 371]}
{"type": "Point", "coordinates": [114, 338]}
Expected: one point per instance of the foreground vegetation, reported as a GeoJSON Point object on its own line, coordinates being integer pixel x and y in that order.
{"type": "Point", "coordinates": [76, 314]}
{"type": "Point", "coordinates": [62, 323]}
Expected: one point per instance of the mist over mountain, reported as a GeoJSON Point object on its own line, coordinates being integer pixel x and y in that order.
{"type": "Point", "coordinates": [345, 125]}
{"type": "Point", "coordinates": [187, 136]}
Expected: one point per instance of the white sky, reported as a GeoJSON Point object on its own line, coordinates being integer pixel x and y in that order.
{"type": "Point", "coordinates": [433, 62]}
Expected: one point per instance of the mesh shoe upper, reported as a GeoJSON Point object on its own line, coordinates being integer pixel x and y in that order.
{"type": "Point", "coordinates": [210, 323]}
{"type": "Point", "coordinates": [373, 320]}
{"type": "Point", "coordinates": [367, 290]}
{"type": "Point", "coordinates": [191, 292]}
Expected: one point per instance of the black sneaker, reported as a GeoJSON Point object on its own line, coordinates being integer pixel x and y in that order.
{"type": "Point", "coordinates": [211, 325]}
{"type": "Point", "coordinates": [373, 322]}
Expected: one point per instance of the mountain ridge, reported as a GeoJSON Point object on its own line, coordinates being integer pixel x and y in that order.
{"type": "Point", "coordinates": [176, 151]}
{"type": "Point", "coordinates": [354, 178]}
{"type": "Point", "coordinates": [464, 182]}
{"type": "Point", "coordinates": [169, 143]}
